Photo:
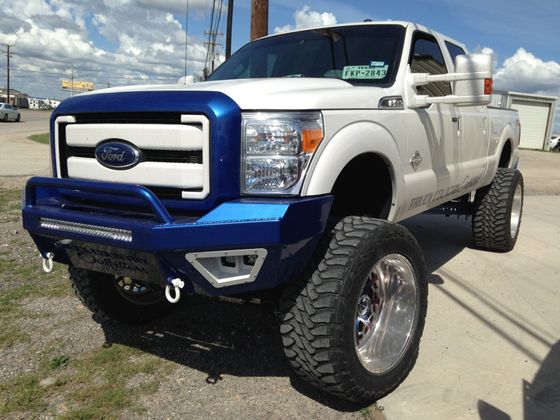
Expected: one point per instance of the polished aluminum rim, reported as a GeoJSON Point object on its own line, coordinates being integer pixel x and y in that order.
{"type": "Point", "coordinates": [386, 314]}
{"type": "Point", "coordinates": [516, 211]}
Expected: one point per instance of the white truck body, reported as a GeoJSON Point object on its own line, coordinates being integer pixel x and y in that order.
{"type": "Point", "coordinates": [459, 146]}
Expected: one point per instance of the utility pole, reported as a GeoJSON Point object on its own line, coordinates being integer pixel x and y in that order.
{"type": "Point", "coordinates": [229, 28]}
{"type": "Point", "coordinates": [211, 45]}
{"type": "Point", "coordinates": [8, 55]}
{"type": "Point", "coordinates": [259, 19]}
{"type": "Point", "coordinates": [186, 39]}
{"type": "Point", "coordinates": [72, 80]}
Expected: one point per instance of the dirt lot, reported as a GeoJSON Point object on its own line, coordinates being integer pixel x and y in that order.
{"type": "Point", "coordinates": [210, 358]}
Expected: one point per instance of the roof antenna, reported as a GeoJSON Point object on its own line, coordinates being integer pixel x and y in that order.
{"type": "Point", "coordinates": [367, 20]}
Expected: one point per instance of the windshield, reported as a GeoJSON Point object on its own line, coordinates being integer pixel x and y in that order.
{"type": "Point", "coordinates": [361, 55]}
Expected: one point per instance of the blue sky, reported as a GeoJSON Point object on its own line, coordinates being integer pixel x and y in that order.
{"type": "Point", "coordinates": [503, 25]}
{"type": "Point", "coordinates": [120, 42]}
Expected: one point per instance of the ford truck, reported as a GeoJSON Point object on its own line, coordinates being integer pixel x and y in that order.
{"type": "Point", "coordinates": [286, 174]}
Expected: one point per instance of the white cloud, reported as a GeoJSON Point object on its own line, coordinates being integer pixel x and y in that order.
{"type": "Point", "coordinates": [144, 44]}
{"type": "Point", "coordinates": [307, 18]}
{"type": "Point", "coordinates": [523, 72]}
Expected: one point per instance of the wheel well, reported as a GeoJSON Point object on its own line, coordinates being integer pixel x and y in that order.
{"type": "Point", "coordinates": [363, 187]}
{"type": "Point", "coordinates": [505, 156]}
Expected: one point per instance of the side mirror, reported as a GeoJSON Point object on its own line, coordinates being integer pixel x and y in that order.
{"type": "Point", "coordinates": [472, 83]}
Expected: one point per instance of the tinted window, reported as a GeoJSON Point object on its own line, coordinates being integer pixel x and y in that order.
{"type": "Point", "coordinates": [454, 50]}
{"type": "Point", "coordinates": [364, 55]}
{"type": "Point", "coordinates": [426, 57]}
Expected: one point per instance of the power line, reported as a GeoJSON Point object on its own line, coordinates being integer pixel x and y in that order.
{"type": "Point", "coordinates": [103, 80]}
{"type": "Point", "coordinates": [213, 32]}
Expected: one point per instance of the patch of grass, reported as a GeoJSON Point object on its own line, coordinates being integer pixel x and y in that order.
{"type": "Point", "coordinates": [10, 335]}
{"type": "Point", "coordinates": [103, 378]}
{"type": "Point", "coordinates": [95, 385]}
{"type": "Point", "coordinates": [10, 205]}
{"type": "Point", "coordinates": [40, 138]}
{"type": "Point", "coordinates": [20, 271]}
{"type": "Point", "coordinates": [22, 394]}
{"type": "Point", "coordinates": [58, 361]}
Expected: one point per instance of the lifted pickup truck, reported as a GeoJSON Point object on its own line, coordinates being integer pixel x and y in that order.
{"type": "Point", "coordinates": [285, 174]}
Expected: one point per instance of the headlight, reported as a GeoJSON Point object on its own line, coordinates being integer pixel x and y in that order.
{"type": "Point", "coordinates": [277, 149]}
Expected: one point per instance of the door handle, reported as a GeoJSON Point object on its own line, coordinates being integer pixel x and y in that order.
{"type": "Point", "coordinates": [458, 121]}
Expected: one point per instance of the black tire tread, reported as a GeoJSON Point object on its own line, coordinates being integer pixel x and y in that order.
{"type": "Point", "coordinates": [310, 331]}
{"type": "Point", "coordinates": [97, 292]}
{"type": "Point", "coordinates": [80, 280]}
{"type": "Point", "coordinates": [491, 217]}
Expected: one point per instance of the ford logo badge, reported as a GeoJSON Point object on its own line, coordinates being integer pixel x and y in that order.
{"type": "Point", "coordinates": [117, 154]}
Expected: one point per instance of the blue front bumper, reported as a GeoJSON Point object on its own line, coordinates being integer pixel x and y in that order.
{"type": "Point", "coordinates": [288, 228]}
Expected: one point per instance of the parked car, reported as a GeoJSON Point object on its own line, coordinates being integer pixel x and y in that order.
{"type": "Point", "coordinates": [9, 112]}
{"type": "Point", "coordinates": [554, 143]}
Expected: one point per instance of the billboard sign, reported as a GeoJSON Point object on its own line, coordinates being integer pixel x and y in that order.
{"type": "Point", "coordinates": [78, 85]}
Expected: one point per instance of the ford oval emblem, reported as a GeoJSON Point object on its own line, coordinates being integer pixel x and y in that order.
{"type": "Point", "coordinates": [117, 154]}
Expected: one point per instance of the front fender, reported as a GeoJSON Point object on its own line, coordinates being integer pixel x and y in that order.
{"type": "Point", "coordinates": [349, 142]}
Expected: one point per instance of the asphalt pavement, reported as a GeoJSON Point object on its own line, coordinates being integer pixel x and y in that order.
{"type": "Point", "coordinates": [491, 346]}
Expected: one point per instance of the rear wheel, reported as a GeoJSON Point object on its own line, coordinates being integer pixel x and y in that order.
{"type": "Point", "coordinates": [353, 329]}
{"type": "Point", "coordinates": [18, 118]}
{"type": "Point", "coordinates": [118, 298]}
{"type": "Point", "coordinates": [497, 211]}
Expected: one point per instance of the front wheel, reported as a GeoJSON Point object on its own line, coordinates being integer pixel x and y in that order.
{"type": "Point", "coordinates": [5, 117]}
{"type": "Point", "coordinates": [118, 298]}
{"type": "Point", "coordinates": [354, 327]}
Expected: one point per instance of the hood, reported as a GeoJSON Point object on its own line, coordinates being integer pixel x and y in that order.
{"type": "Point", "coordinates": [279, 93]}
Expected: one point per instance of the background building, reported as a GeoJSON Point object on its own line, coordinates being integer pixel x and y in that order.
{"type": "Point", "coordinates": [536, 114]}
{"type": "Point", "coordinates": [16, 98]}
{"type": "Point", "coordinates": [40, 103]}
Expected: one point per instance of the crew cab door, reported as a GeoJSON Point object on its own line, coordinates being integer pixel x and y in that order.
{"type": "Point", "coordinates": [432, 136]}
{"type": "Point", "coordinates": [472, 131]}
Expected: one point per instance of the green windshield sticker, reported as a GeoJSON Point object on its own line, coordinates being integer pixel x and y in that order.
{"type": "Point", "coordinates": [364, 72]}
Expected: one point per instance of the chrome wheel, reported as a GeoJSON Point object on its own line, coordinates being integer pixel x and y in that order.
{"type": "Point", "coordinates": [386, 314]}
{"type": "Point", "coordinates": [138, 292]}
{"type": "Point", "coordinates": [516, 210]}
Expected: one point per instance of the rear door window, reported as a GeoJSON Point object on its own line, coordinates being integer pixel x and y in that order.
{"type": "Point", "coordinates": [426, 57]}
{"type": "Point", "coordinates": [454, 50]}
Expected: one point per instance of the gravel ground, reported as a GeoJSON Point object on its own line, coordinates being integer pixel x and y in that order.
{"type": "Point", "coordinates": [215, 358]}
{"type": "Point", "coordinates": [219, 359]}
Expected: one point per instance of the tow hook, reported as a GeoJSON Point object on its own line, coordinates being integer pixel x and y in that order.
{"type": "Point", "coordinates": [177, 285]}
{"type": "Point", "coordinates": [48, 262]}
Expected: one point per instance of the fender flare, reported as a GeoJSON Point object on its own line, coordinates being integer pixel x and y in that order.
{"type": "Point", "coordinates": [352, 141]}
{"type": "Point", "coordinates": [508, 134]}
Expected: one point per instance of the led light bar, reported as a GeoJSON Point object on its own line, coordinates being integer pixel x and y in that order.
{"type": "Point", "coordinates": [85, 229]}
